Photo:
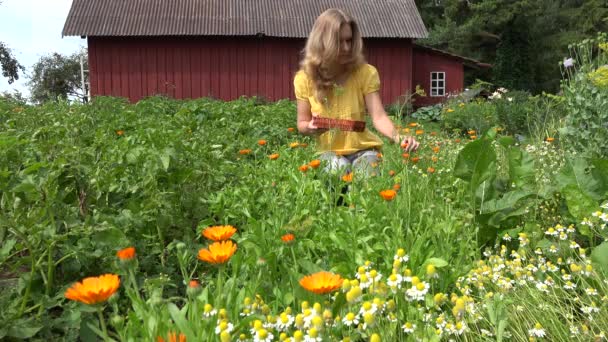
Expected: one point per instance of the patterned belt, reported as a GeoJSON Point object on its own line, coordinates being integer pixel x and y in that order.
{"type": "Point", "coordinates": [341, 124]}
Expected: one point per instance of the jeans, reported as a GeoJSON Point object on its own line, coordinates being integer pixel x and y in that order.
{"type": "Point", "coordinates": [359, 161]}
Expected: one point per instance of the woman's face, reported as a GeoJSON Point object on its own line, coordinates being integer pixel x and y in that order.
{"type": "Point", "coordinates": [346, 43]}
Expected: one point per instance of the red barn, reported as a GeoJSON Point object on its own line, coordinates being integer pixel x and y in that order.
{"type": "Point", "coordinates": [230, 48]}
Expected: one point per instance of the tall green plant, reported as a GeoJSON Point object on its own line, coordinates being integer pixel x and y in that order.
{"type": "Point", "coordinates": [585, 90]}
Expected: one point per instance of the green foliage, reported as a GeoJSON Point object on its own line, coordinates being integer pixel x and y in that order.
{"type": "Point", "coordinates": [496, 206]}
{"type": "Point", "coordinates": [534, 33]}
{"type": "Point", "coordinates": [429, 113]}
{"type": "Point", "coordinates": [9, 64]}
{"type": "Point", "coordinates": [585, 130]}
{"type": "Point", "coordinates": [56, 76]}
{"type": "Point", "coordinates": [478, 115]}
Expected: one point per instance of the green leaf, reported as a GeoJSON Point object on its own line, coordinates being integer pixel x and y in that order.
{"type": "Point", "coordinates": [521, 168]}
{"type": "Point", "coordinates": [506, 141]}
{"type": "Point", "coordinates": [111, 237]}
{"type": "Point", "coordinates": [574, 173]}
{"type": "Point", "coordinates": [580, 205]}
{"type": "Point", "coordinates": [599, 255]}
{"type": "Point", "coordinates": [437, 262]}
{"type": "Point", "coordinates": [179, 317]}
{"type": "Point", "coordinates": [24, 330]}
{"type": "Point", "coordinates": [476, 162]}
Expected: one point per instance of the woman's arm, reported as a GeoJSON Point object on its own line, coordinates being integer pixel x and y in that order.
{"type": "Point", "coordinates": [383, 123]}
{"type": "Point", "coordinates": [305, 125]}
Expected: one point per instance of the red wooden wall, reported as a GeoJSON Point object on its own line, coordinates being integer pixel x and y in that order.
{"type": "Point", "coordinates": [425, 62]}
{"type": "Point", "coordinates": [222, 67]}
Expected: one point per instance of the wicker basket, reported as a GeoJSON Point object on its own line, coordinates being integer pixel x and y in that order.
{"type": "Point", "coordinates": [341, 124]}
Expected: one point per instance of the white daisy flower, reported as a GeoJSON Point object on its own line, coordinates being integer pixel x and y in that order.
{"type": "Point", "coordinates": [537, 331]}
{"type": "Point", "coordinates": [408, 327]}
{"type": "Point", "coordinates": [350, 319]}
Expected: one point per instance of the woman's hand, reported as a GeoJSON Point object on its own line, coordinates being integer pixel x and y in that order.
{"type": "Point", "coordinates": [312, 128]}
{"type": "Point", "coordinates": [409, 143]}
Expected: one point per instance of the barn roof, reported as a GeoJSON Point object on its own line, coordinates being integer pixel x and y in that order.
{"type": "Point", "coordinates": [275, 18]}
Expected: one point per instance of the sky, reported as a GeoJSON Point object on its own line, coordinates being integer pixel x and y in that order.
{"type": "Point", "coordinates": [32, 29]}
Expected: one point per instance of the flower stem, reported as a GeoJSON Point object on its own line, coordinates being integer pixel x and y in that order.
{"type": "Point", "coordinates": [103, 324]}
{"type": "Point", "coordinates": [134, 282]}
{"type": "Point", "coordinates": [220, 279]}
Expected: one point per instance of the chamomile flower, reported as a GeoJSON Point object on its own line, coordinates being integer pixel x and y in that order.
{"type": "Point", "coordinates": [368, 307]}
{"type": "Point", "coordinates": [553, 249]}
{"type": "Point", "coordinates": [401, 255]}
{"type": "Point", "coordinates": [394, 280]}
{"type": "Point", "coordinates": [574, 245]}
{"type": "Point", "coordinates": [209, 311]}
{"type": "Point", "coordinates": [408, 327]}
{"type": "Point", "coordinates": [537, 331]}
{"type": "Point", "coordinates": [284, 322]}
{"type": "Point", "coordinates": [350, 319]}
{"type": "Point", "coordinates": [551, 232]}
{"type": "Point", "coordinates": [223, 325]}
{"type": "Point", "coordinates": [591, 291]}
{"type": "Point", "coordinates": [262, 335]}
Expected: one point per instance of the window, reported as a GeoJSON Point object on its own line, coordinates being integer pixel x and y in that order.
{"type": "Point", "coordinates": [437, 83]}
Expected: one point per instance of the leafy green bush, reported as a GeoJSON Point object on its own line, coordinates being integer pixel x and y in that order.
{"type": "Point", "coordinates": [460, 117]}
{"type": "Point", "coordinates": [585, 89]}
{"type": "Point", "coordinates": [512, 112]}
{"type": "Point", "coordinates": [429, 113]}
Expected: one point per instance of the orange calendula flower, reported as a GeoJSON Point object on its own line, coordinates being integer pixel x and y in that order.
{"type": "Point", "coordinates": [348, 177]}
{"type": "Point", "coordinates": [93, 290]}
{"type": "Point", "coordinates": [473, 137]}
{"type": "Point", "coordinates": [434, 159]}
{"type": "Point", "coordinates": [415, 160]}
{"type": "Point", "coordinates": [379, 155]}
{"type": "Point", "coordinates": [303, 168]}
{"type": "Point", "coordinates": [126, 253]}
{"type": "Point", "coordinates": [436, 149]}
{"type": "Point", "coordinates": [219, 233]}
{"type": "Point", "coordinates": [471, 132]}
{"type": "Point", "coordinates": [218, 252]}
{"type": "Point", "coordinates": [391, 173]}
{"type": "Point", "coordinates": [245, 151]}
{"type": "Point", "coordinates": [322, 282]}
{"type": "Point", "coordinates": [406, 130]}
{"type": "Point", "coordinates": [396, 187]}
{"type": "Point", "coordinates": [294, 144]}
{"type": "Point", "coordinates": [303, 145]}
{"type": "Point", "coordinates": [261, 142]}
{"type": "Point", "coordinates": [274, 156]}
{"type": "Point", "coordinates": [172, 337]}
{"type": "Point", "coordinates": [549, 139]}
{"type": "Point", "coordinates": [120, 132]}
{"type": "Point", "coordinates": [457, 140]}
{"type": "Point", "coordinates": [287, 238]}
{"type": "Point", "coordinates": [388, 195]}
{"type": "Point", "coordinates": [419, 132]}
{"type": "Point", "coordinates": [405, 155]}
{"type": "Point", "coordinates": [291, 129]}
{"type": "Point", "coordinates": [315, 163]}
{"type": "Point", "coordinates": [194, 284]}
{"type": "Point", "coordinates": [430, 170]}
{"type": "Point", "coordinates": [413, 124]}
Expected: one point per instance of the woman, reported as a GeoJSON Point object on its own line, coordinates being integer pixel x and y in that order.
{"type": "Point", "coordinates": [335, 82]}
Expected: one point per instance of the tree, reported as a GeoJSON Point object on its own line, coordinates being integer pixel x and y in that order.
{"type": "Point", "coordinates": [532, 35]}
{"type": "Point", "coordinates": [8, 63]}
{"type": "Point", "coordinates": [57, 76]}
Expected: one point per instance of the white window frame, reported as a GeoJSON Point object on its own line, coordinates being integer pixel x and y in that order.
{"type": "Point", "coordinates": [437, 91]}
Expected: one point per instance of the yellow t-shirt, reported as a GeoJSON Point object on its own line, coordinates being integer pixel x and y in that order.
{"type": "Point", "coordinates": [345, 102]}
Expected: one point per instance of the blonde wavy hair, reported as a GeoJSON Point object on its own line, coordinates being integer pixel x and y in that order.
{"type": "Point", "coordinates": [321, 53]}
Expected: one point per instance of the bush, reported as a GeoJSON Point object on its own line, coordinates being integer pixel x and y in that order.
{"type": "Point", "coordinates": [429, 113]}
{"type": "Point", "coordinates": [512, 112]}
{"type": "Point", "coordinates": [586, 97]}
{"type": "Point", "coordinates": [460, 117]}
